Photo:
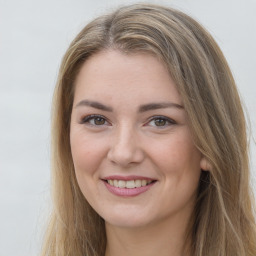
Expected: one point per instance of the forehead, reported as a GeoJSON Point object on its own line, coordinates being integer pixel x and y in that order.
{"type": "Point", "coordinates": [115, 75]}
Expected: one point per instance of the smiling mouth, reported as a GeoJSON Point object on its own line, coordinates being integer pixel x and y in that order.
{"type": "Point", "coordinates": [129, 183]}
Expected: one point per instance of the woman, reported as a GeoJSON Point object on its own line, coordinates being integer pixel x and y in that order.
{"type": "Point", "coordinates": [150, 153]}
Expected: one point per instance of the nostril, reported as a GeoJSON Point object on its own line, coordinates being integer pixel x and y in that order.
{"type": "Point", "coordinates": [123, 156]}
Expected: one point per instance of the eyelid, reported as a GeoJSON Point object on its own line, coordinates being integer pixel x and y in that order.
{"type": "Point", "coordinates": [87, 118]}
{"type": "Point", "coordinates": [168, 119]}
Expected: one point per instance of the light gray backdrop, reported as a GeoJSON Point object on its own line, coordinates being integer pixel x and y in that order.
{"type": "Point", "coordinates": [33, 37]}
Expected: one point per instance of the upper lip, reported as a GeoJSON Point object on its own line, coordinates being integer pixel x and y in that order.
{"type": "Point", "coordinates": [126, 178]}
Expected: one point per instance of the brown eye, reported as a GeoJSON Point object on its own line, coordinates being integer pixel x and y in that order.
{"type": "Point", "coordinates": [160, 122]}
{"type": "Point", "coordinates": [98, 121]}
{"type": "Point", "coordinates": [94, 120]}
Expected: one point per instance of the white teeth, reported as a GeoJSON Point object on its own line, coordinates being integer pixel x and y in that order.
{"type": "Point", "coordinates": [143, 183]}
{"type": "Point", "coordinates": [137, 183]}
{"type": "Point", "coordinates": [128, 183]}
{"type": "Point", "coordinates": [121, 184]}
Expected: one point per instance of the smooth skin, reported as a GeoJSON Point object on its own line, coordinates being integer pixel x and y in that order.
{"type": "Point", "coordinates": [128, 119]}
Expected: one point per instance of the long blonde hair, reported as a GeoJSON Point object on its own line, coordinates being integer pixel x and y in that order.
{"type": "Point", "coordinates": [223, 222]}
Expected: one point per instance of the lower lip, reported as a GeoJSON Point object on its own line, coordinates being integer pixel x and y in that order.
{"type": "Point", "coordinates": [128, 192]}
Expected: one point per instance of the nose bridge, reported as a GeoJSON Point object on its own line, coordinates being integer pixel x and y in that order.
{"type": "Point", "coordinates": [124, 147]}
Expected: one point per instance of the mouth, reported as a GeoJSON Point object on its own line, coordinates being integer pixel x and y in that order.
{"type": "Point", "coordinates": [137, 183]}
{"type": "Point", "coordinates": [128, 186]}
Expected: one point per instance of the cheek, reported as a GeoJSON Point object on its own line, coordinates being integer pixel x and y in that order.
{"type": "Point", "coordinates": [85, 152]}
{"type": "Point", "coordinates": [177, 156]}
{"type": "Point", "coordinates": [86, 159]}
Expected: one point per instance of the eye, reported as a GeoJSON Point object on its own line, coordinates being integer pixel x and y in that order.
{"type": "Point", "coordinates": [95, 120]}
{"type": "Point", "coordinates": [161, 121]}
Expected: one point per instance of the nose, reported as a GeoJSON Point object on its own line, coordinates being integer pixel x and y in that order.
{"type": "Point", "coordinates": [125, 148]}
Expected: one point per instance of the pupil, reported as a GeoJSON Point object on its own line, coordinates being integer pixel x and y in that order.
{"type": "Point", "coordinates": [99, 121]}
{"type": "Point", "coordinates": [160, 122]}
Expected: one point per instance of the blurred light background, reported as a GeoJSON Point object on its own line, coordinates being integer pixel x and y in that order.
{"type": "Point", "coordinates": [33, 38]}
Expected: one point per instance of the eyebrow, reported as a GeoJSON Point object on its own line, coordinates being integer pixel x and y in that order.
{"type": "Point", "coordinates": [94, 104]}
{"type": "Point", "coordinates": [153, 106]}
{"type": "Point", "coordinates": [142, 108]}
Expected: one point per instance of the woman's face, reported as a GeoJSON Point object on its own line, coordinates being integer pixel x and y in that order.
{"type": "Point", "coordinates": [133, 154]}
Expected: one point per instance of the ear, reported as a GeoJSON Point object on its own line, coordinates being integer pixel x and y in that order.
{"type": "Point", "coordinates": [205, 165]}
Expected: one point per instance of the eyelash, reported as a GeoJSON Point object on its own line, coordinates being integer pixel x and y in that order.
{"type": "Point", "coordinates": [167, 120]}
{"type": "Point", "coordinates": [87, 119]}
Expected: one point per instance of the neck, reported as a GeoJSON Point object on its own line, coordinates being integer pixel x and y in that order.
{"type": "Point", "coordinates": [165, 239]}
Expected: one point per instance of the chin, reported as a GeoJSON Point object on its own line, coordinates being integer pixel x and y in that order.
{"type": "Point", "coordinates": [126, 222]}
{"type": "Point", "coordinates": [127, 218]}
